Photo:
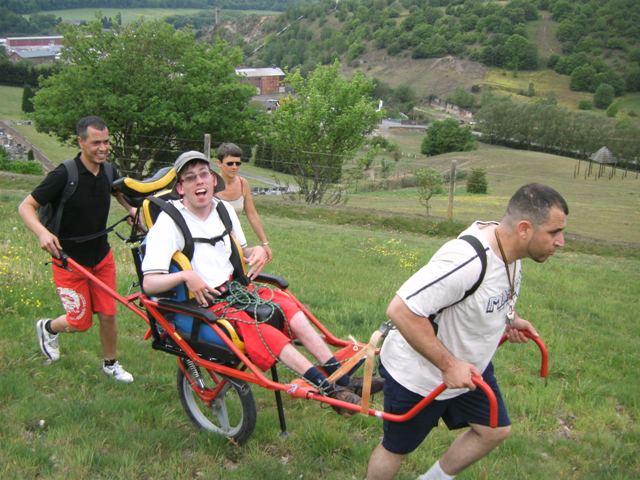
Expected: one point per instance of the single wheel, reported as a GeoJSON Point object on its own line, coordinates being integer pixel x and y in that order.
{"type": "Point", "coordinates": [224, 406]}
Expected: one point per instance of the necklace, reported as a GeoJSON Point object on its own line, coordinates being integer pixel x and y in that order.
{"type": "Point", "coordinates": [512, 279]}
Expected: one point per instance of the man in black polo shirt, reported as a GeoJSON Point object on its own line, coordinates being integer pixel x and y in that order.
{"type": "Point", "coordinates": [84, 213]}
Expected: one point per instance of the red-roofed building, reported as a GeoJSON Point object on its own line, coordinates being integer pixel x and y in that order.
{"type": "Point", "coordinates": [22, 42]}
{"type": "Point", "coordinates": [266, 80]}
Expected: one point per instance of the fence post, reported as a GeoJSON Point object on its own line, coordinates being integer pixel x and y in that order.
{"type": "Point", "coordinates": [452, 187]}
{"type": "Point", "coordinates": [207, 146]}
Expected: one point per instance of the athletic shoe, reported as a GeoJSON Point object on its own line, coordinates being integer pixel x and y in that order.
{"type": "Point", "coordinates": [116, 372]}
{"type": "Point", "coordinates": [48, 341]}
{"type": "Point", "coordinates": [356, 383]}
{"type": "Point", "coordinates": [346, 395]}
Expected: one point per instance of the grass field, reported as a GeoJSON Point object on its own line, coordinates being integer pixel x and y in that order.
{"type": "Point", "coordinates": [544, 81]}
{"type": "Point", "coordinates": [11, 103]}
{"type": "Point", "coordinates": [130, 15]}
{"type": "Point", "coordinates": [581, 424]}
{"type": "Point", "coordinates": [605, 210]}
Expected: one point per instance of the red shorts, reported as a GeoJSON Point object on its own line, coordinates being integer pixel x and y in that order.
{"type": "Point", "coordinates": [80, 298]}
{"type": "Point", "coordinates": [262, 342]}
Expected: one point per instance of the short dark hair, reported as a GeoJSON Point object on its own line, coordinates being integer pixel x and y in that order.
{"type": "Point", "coordinates": [533, 202]}
{"type": "Point", "coordinates": [91, 121]}
{"type": "Point", "coordinates": [229, 150]}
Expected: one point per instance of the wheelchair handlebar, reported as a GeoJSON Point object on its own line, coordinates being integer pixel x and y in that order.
{"type": "Point", "coordinates": [544, 353]}
{"type": "Point", "coordinates": [298, 391]}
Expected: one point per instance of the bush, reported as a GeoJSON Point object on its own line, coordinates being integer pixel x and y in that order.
{"type": "Point", "coordinates": [477, 181]}
{"type": "Point", "coordinates": [613, 109]}
{"type": "Point", "coordinates": [585, 105]}
{"type": "Point", "coordinates": [447, 136]}
{"type": "Point", "coordinates": [19, 166]}
{"type": "Point", "coordinates": [604, 96]}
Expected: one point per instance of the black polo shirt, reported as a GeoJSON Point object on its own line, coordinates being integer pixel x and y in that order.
{"type": "Point", "coordinates": [85, 212]}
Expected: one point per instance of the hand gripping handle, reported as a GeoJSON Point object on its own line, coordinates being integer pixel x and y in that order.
{"type": "Point", "coordinates": [477, 380]}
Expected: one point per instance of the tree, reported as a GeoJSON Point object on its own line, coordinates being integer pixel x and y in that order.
{"type": "Point", "coordinates": [429, 182]}
{"type": "Point", "coordinates": [583, 78]}
{"type": "Point", "coordinates": [604, 96]}
{"type": "Point", "coordinates": [154, 107]}
{"type": "Point", "coordinates": [447, 136]}
{"type": "Point", "coordinates": [477, 181]}
{"type": "Point", "coordinates": [27, 99]}
{"type": "Point", "coordinates": [462, 98]}
{"type": "Point", "coordinates": [520, 53]}
{"type": "Point", "coordinates": [314, 132]}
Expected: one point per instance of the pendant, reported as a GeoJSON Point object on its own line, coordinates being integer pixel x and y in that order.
{"type": "Point", "coordinates": [511, 315]}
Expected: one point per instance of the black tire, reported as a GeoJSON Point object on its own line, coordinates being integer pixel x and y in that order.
{"type": "Point", "coordinates": [232, 413]}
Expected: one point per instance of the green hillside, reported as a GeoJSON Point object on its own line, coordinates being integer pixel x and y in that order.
{"type": "Point", "coordinates": [438, 45]}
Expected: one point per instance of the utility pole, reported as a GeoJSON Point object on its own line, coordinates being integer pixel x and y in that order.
{"type": "Point", "coordinates": [452, 187]}
{"type": "Point", "coordinates": [207, 146]}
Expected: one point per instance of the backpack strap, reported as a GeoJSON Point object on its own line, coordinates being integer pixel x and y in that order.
{"type": "Point", "coordinates": [108, 171]}
{"type": "Point", "coordinates": [236, 258]}
{"type": "Point", "coordinates": [69, 189]}
{"type": "Point", "coordinates": [482, 255]}
{"type": "Point", "coordinates": [72, 183]}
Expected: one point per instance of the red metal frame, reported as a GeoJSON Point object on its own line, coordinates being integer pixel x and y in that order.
{"type": "Point", "coordinates": [248, 372]}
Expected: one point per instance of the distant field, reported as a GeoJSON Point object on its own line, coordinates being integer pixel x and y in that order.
{"type": "Point", "coordinates": [544, 81]}
{"type": "Point", "coordinates": [128, 14]}
{"type": "Point", "coordinates": [607, 210]}
{"type": "Point", "coordinates": [629, 103]}
{"type": "Point", "coordinates": [10, 103]}
{"type": "Point", "coordinates": [132, 14]}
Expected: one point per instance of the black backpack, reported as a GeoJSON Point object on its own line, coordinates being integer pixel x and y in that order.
{"type": "Point", "coordinates": [50, 214]}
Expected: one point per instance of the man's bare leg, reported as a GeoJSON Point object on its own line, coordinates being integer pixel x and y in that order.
{"type": "Point", "coordinates": [383, 464]}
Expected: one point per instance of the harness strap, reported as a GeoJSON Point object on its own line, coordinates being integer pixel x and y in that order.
{"type": "Point", "coordinates": [177, 217]}
{"type": "Point", "coordinates": [86, 238]}
{"type": "Point", "coordinates": [211, 241]}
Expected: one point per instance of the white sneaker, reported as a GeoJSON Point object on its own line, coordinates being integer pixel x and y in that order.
{"type": "Point", "coordinates": [117, 372]}
{"type": "Point", "coordinates": [48, 341]}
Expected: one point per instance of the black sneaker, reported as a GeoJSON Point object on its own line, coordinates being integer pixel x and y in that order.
{"type": "Point", "coordinates": [356, 383]}
{"type": "Point", "coordinates": [346, 395]}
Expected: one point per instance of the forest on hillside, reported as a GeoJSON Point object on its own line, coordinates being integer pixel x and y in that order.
{"type": "Point", "coordinates": [599, 38]}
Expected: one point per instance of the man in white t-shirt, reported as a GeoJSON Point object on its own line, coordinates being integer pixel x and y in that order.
{"type": "Point", "coordinates": [448, 332]}
{"type": "Point", "coordinates": [212, 269]}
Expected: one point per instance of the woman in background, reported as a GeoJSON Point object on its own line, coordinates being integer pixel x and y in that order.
{"type": "Point", "coordinates": [237, 191]}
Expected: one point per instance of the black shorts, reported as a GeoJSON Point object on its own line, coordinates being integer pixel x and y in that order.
{"type": "Point", "coordinates": [458, 412]}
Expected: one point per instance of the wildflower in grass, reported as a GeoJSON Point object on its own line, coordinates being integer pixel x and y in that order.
{"type": "Point", "coordinates": [393, 248]}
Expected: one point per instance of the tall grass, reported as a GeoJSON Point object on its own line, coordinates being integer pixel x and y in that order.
{"type": "Point", "coordinates": [581, 424]}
